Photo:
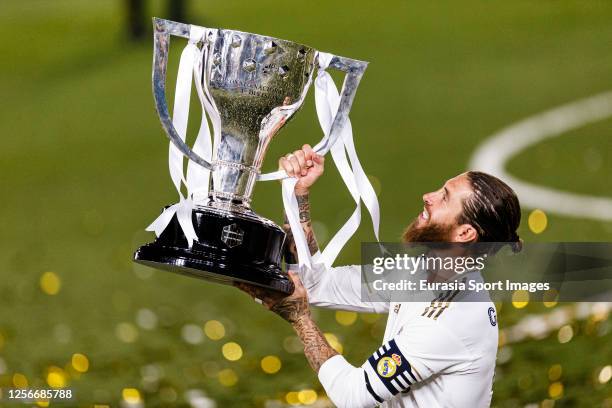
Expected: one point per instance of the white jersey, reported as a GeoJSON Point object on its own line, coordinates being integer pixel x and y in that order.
{"type": "Point", "coordinates": [434, 354]}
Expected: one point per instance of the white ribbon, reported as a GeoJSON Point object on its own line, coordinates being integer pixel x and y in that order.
{"type": "Point", "coordinates": [190, 66]}
{"type": "Point", "coordinates": [197, 176]}
{"type": "Point", "coordinates": [327, 100]}
{"type": "Point", "coordinates": [292, 212]}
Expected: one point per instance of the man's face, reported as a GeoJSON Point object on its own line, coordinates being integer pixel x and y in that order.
{"type": "Point", "coordinates": [438, 220]}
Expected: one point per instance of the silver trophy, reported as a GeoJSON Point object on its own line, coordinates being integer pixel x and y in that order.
{"type": "Point", "coordinates": [257, 84]}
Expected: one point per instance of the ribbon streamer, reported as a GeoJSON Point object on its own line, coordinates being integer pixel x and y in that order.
{"type": "Point", "coordinates": [191, 65]}
{"type": "Point", "coordinates": [327, 99]}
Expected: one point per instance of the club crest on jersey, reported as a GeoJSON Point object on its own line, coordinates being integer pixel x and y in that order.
{"type": "Point", "coordinates": [492, 316]}
{"type": "Point", "coordinates": [386, 367]}
{"type": "Point", "coordinates": [397, 358]}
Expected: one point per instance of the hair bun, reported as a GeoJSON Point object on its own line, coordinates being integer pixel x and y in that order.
{"type": "Point", "coordinates": [517, 245]}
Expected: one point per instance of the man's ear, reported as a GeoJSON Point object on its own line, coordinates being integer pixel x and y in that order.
{"type": "Point", "coordinates": [465, 233]}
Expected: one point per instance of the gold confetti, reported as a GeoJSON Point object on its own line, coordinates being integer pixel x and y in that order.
{"type": "Point", "coordinates": [228, 377]}
{"type": "Point", "coordinates": [565, 334]}
{"type": "Point", "coordinates": [80, 362]}
{"type": "Point", "coordinates": [520, 299]}
{"type": "Point", "coordinates": [550, 298]}
{"type": "Point", "coordinates": [214, 330]}
{"type": "Point", "coordinates": [20, 380]}
{"type": "Point", "coordinates": [555, 390]}
{"type": "Point", "coordinates": [537, 221]}
{"type": "Point", "coordinates": [346, 318]}
{"type": "Point", "coordinates": [131, 395]}
{"type": "Point", "coordinates": [232, 351]}
{"type": "Point", "coordinates": [369, 317]}
{"type": "Point", "coordinates": [271, 364]}
{"type": "Point", "coordinates": [50, 283]}
{"type": "Point", "coordinates": [307, 397]}
{"type": "Point", "coordinates": [56, 377]}
{"type": "Point", "coordinates": [333, 341]}
{"type": "Point", "coordinates": [292, 398]}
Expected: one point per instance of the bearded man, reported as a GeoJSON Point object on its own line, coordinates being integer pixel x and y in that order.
{"type": "Point", "coordinates": [426, 359]}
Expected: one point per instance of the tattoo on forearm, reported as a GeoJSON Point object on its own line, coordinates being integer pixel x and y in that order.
{"type": "Point", "coordinates": [304, 207]}
{"type": "Point", "coordinates": [291, 309]}
{"type": "Point", "coordinates": [297, 312]}
{"type": "Point", "coordinates": [316, 348]}
{"type": "Point", "coordinates": [290, 248]}
{"type": "Point", "coordinates": [313, 246]}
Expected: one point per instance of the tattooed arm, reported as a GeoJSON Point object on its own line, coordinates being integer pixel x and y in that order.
{"type": "Point", "coordinates": [295, 310]}
{"type": "Point", "coordinates": [316, 348]}
{"type": "Point", "coordinates": [307, 166]}
{"type": "Point", "coordinates": [290, 248]}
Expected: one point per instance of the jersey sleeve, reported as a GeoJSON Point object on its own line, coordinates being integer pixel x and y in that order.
{"type": "Point", "coordinates": [345, 384]}
{"type": "Point", "coordinates": [424, 351]}
{"type": "Point", "coordinates": [338, 288]}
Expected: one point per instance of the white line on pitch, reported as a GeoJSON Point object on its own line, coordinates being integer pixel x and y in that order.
{"type": "Point", "coordinates": [493, 154]}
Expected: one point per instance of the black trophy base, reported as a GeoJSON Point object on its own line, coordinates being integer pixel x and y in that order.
{"type": "Point", "coordinates": [231, 247]}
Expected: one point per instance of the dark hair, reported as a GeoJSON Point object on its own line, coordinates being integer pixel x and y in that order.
{"type": "Point", "coordinates": [493, 209]}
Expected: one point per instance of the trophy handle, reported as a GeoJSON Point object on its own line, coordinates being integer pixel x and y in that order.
{"type": "Point", "coordinates": [354, 71]}
{"type": "Point", "coordinates": [163, 29]}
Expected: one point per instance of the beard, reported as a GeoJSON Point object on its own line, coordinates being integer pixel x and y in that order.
{"type": "Point", "coordinates": [429, 233]}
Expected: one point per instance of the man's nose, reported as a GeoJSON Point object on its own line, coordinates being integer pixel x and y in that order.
{"type": "Point", "coordinates": [428, 198]}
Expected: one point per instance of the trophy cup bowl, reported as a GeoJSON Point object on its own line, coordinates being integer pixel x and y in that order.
{"type": "Point", "coordinates": [257, 84]}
